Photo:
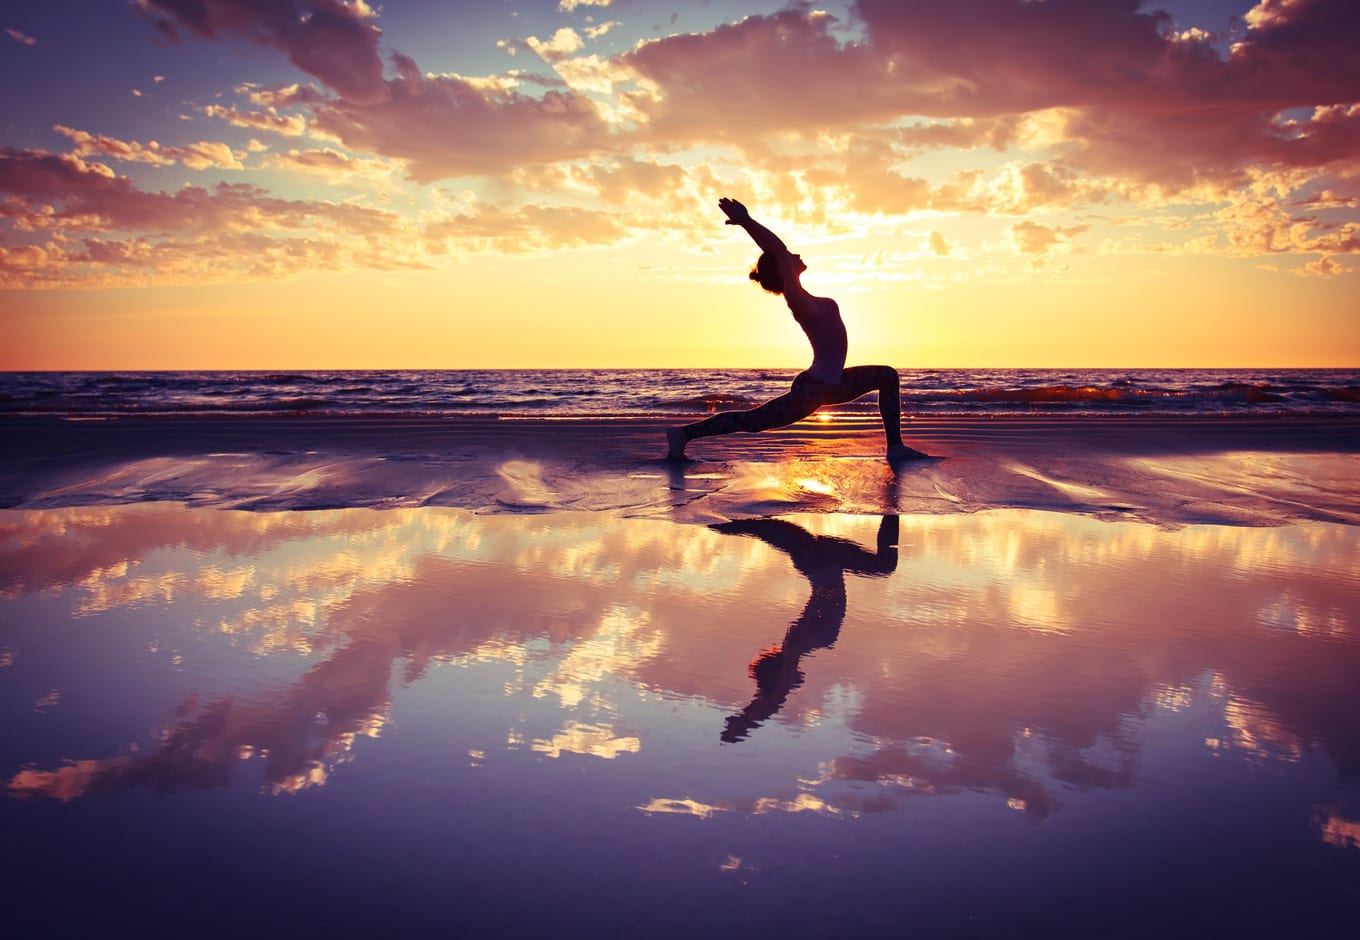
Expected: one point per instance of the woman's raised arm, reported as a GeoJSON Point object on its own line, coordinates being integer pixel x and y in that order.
{"type": "Point", "coordinates": [738, 215]}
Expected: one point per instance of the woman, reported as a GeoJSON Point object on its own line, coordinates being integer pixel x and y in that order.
{"type": "Point", "coordinates": [827, 381]}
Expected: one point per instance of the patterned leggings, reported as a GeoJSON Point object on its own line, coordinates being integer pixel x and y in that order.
{"type": "Point", "coordinates": [807, 395]}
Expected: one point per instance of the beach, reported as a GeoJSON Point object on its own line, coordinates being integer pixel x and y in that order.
{"type": "Point", "coordinates": [1166, 470]}
{"type": "Point", "coordinates": [353, 674]}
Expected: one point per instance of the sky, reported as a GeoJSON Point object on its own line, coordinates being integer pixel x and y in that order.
{"type": "Point", "coordinates": [237, 184]}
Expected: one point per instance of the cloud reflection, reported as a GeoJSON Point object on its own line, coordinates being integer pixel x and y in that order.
{"type": "Point", "coordinates": [591, 740]}
{"type": "Point", "coordinates": [946, 674]}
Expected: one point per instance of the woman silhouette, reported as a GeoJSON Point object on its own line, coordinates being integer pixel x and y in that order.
{"type": "Point", "coordinates": [824, 560]}
{"type": "Point", "coordinates": [827, 381]}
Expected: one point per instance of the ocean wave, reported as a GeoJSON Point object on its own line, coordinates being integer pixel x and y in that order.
{"type": "Point", "coordinates": [1052, 393]}
{"type": "Point", "coordinates": [714, 402]}
{"type": "Point", "coordinates": [1121, 392]}
{"type": "Point", "coordinates": [678, 392]}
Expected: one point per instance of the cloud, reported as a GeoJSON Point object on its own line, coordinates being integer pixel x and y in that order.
{"type": "Point", "coordinates": [91, 227]}
{"type": "Point", "coordinates": [1131, 97]}
{"type": "Point", "coordinates": [965, 133]}
{"type": "Point", "coordinates": [989, 57]}
{"type": "Point", "coordinates": [1259, 222]}
{"type": "Point", "coordinates": [21, 37]}
{"type": "Point", "coordinates": [616, 180]}
{"type": "Point", "coordinates": [1117, 91]}
{"type": "Point", "coordinates": [765, 74]}
{"type": "Point", "coordinates": [1330, 136]}
{"type": "Point", "coordinates": [332, 165]}
{"type": "Point", "coordinates": [1128, 93]}
{"type": "Point", "coordinates": [1139, 102]}
{"type": "Point", "coordinates": [1041, 241]}
{"type": "Point", "coordinates": [1326, 266]}
{"type": "Point", "coordinates": [330, 40]}
{"type": "Point", "coordinates": [444, 126]}
{"type": "Point", "coordinates": [190, 235]}
{"type": "Point", "coordinates": [562, 44]}
{"type": "Point", "coordinates": [207, 258]}
{"type": "Point", "coordinates": [285, 125]}
{"type": "Point", "coordinates": [527, 229]}
{"type": "Point", "coordinates": [202, 155]}
{"type": "Point", "coordinates": [39, 176]}
{"type": "Point", "coordinates": [595, 74]}
{"type": "Point", "coordinates": [1298, 52]}
{"type": "Point", "coordinates": [1093, 102]}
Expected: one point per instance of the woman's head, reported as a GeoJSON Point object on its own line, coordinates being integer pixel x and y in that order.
{"type": "Point", "coordinates": [769, 274]}
{"type": "Point", "coordinates": [766, 273]}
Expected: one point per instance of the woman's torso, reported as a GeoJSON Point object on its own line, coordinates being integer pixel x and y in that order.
{"type": "Point", "coordinates": [820, 319]}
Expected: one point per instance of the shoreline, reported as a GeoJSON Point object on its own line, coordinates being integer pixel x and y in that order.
{"type": "Point", "coordinates": [1167, 470]}
{"type": "Point", "coordinates": [184, 432]}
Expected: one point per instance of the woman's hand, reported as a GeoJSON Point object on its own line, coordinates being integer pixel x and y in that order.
{"type": "Point", "coordinates": [735, 211]}
{"type": "Point", "coordinates": [763, 237]}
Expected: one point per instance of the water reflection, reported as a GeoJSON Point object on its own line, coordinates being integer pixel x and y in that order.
{"type": "Point", "coordinates": [1021, 654]}
{"type": "Point", "coordinates": [824, 560]}
{"type": "Point", "coordinates": [356, 593]}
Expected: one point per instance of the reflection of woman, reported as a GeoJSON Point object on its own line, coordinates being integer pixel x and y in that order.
{"type": "Point", "coordinates": [823, 560]}
{"type": "Point", "coordinates": [827, 381]}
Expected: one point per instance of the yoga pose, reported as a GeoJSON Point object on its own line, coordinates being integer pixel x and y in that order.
{"type": "Point", "coordinates": [824, 560]}
{"type": "Point", "coordinates": [827, 381]}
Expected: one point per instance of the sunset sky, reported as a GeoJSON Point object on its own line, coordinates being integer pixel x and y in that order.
{"type": "Point", "coordinates": [533, 183]}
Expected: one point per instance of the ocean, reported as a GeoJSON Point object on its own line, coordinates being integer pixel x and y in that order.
{"type": "Point", "coordinates": [604, 393]}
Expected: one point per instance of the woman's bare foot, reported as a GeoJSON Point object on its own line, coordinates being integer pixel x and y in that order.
{"type": "Point", "coordinates": [898, 452]}
{"type": "Point", "coordinates": [675, 444]}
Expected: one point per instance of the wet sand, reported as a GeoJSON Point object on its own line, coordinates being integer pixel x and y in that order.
{"type": "Point", "coordinates": [335, 676]}
{"type": "Point", "coordinates": [1008, 722]}
{"type": "Point", "coordinates": [1163, 470]}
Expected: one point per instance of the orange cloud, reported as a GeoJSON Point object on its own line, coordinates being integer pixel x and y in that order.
{"type": "Point", "coordinates": [332, 164]}
{"type": "Point", "coordinates": [1034, 239]}
{"type": "Point", "coordinates": [197, 156]}
{"type": "Point", "coordinates": [527, 229]}
{"type": "Point", "coordinates": [192, 234]}
{"type": "Point", "coordinates": [285, 125]}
